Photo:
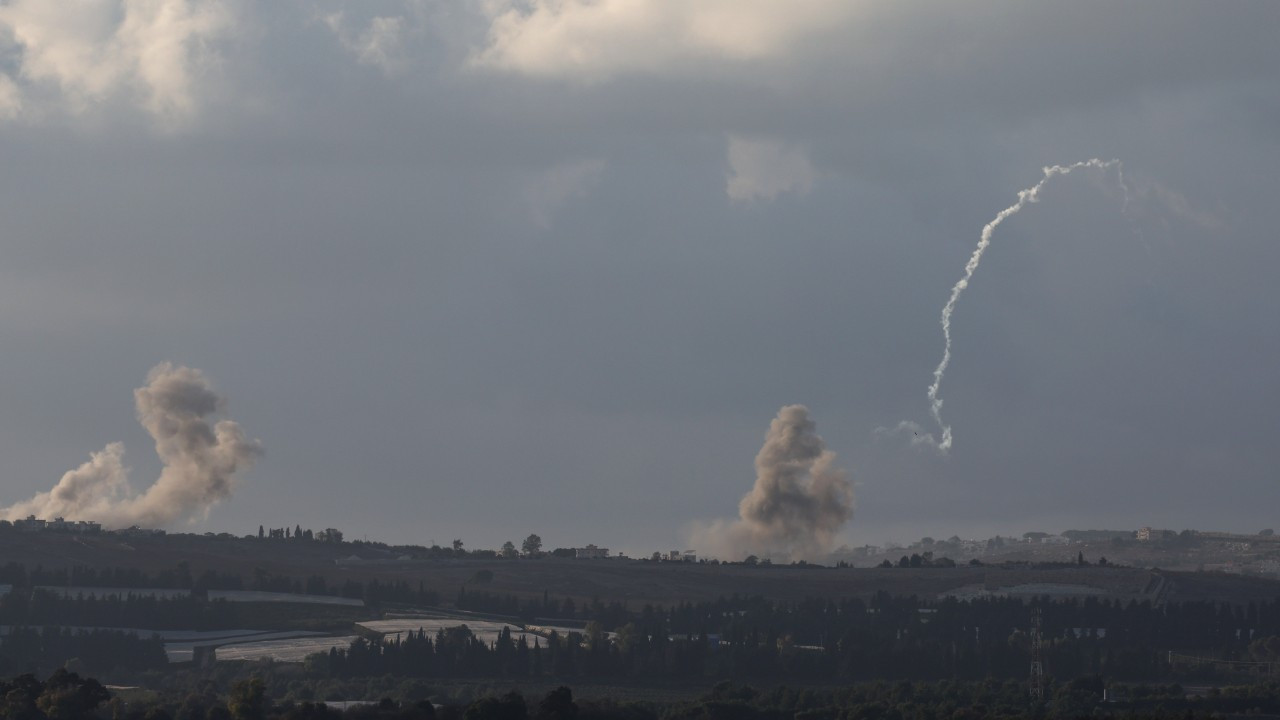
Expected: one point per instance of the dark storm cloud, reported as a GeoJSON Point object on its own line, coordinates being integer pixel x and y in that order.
{"type": "Point", "coordinates": [429, 268]}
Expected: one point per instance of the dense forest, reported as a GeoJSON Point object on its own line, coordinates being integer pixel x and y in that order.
{"type": "Point", "coordinates": [741, 638]}
{"type": "Point", "coordinates": [68, 696]}
{"type": "Point", "coordinates": [851, 640]}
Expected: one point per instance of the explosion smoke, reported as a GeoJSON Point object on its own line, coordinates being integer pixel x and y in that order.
{"type": "Point", "coordinates": [201, 461]}
{"type": "Point", "coordinates": [800, 499]}
{"type": "Point", "coordinates": [1029, 195]}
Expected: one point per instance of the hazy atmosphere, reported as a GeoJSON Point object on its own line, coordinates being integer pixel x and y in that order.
{"type": "Point", "coordinates": [477, 269]}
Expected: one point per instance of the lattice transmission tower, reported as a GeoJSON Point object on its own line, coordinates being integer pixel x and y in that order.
{"type": "Point", "coordinates": [1037, 663]}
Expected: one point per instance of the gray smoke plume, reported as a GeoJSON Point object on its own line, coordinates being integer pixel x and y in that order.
{"type": "Point", "coordinates": [202, 461]}
{"type": "Point", "coordinates": [799, 502]}
{"type": "Point", "coordinates": [1025, 197]}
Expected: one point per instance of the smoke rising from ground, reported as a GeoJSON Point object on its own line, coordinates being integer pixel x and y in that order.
{"type": "Point", "coordinates": [799, 502]}
{"type": "Point", "coordinates": [1025, 197]}
{"type": "Point", "coordinates": [202, 461]}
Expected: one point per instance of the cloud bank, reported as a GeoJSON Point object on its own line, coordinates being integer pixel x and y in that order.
{"type": "Point", "coordinates": [594, 41]}
{"type": "Point", "coordinates": [150, 53]}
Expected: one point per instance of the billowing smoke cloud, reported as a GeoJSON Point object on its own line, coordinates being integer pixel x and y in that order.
{"type": "Point", "coordinates": [1029, 195]}
{"type": "Point", "coordinates": [202, 461]}
{"type": "Point", "coordinates": [799, 502]}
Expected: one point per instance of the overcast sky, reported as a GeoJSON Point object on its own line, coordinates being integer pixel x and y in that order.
{"type": "Point", "coordinates": [480, 268]}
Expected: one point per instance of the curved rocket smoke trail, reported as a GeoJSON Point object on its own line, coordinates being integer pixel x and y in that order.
{"type": "Point", "coordinates": [1025, 197]}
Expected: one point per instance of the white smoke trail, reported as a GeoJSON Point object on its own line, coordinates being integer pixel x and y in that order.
{"type": "Point", "coordinates": [202, 461]}
{"type": "Point", "coordinates": [1025, 197]}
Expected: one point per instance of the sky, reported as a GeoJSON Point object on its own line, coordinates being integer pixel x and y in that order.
{"type": "Point", "coordinates": [482, 268]}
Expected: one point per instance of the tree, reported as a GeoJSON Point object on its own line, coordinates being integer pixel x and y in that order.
{"type": "Point", "coordinates": [457, 546]}
{"type": "Point", "coordinates": [508, 707]}
{"type": "Point", "coordinates": [68, 696]}
{"type": "Point", "coordinates": [508, 549]}
{"type": "Point", "coordinates": [557, 705]}
{"type": "Point", "coordinates": [248, 700]}
{"type": "Point", "coordinates": [595, 636]}
{"type": "Point", "coordinates": [260, 532]}
{"type": "Point", "coordinates": [532, 545]}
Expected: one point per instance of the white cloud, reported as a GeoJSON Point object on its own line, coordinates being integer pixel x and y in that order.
{"type": "Point", "coordinates": [151, 52]}
{"type": "Point", "coordinates": [10, 98]}
{"type": "Point", "coordinates": [594, 39]}
{"type": "Point", "coordinates": [380, 43]}
{"type": "Point", "coordinates": [554, 188]}
{"type": "Point", "coordinates": [764, 169]}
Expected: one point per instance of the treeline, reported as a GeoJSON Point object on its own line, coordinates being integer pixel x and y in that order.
{"type": "Point", "coordinates": [177, 578]}
{"type": "Point", "coordinates": [189, 612]}
{"type": "Point", "coordinates": [181, 578]}
{"type": "Point", "coordinates": [67, 695]}
{"type": "Point", "coordinates": [1201, 625]}
{"type": "Point", "coordinates": [29, 649]}
{"type": "Point", "coordinates": [851, 640]}
{"type": "Point", "coordinates": [610, 615]}
{"type": "Point", "coordinates": [331, 535]}
{"type": "Point", "coordinates": [43, 608]}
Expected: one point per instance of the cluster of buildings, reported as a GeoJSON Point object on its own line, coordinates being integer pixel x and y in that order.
{"type": "Point", "coordinates": [675, 556]}
{"type": "Point", "coordinates": [591, 552]}
{"type": "Point", "coordinates": [35, 524]}
{"type": "Point", "coordinates": [80, 527]}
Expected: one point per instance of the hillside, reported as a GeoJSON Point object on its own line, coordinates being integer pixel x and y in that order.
{"type": "Point", "coordinates": [633, 582]}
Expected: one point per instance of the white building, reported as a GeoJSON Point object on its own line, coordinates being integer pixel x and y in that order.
{"type": "Point", "coordinates": [591, 552]}
{"type": "Point", "coordinates": [31, 524]}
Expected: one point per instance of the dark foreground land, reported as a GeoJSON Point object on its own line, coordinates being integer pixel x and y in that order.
{"type": "Point", "coordinates": [429, 632]}
{"type": "Point", "coordinates": [68, 696]}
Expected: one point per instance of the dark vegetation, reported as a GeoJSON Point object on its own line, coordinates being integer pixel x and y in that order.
{"type": "Point", "coordinates": [844, 652]}
{"type": "Point", "coordinates": [739, 638]}
{"type": "Point", "coordinates": [67, 696]}
{"type": "Point", "coordinates": [123, 579]}
{"type": "Point", "coordinates": [845, 641]}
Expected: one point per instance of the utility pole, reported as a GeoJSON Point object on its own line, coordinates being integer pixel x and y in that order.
{"type": "Point", "coordinates": [1037, 663]}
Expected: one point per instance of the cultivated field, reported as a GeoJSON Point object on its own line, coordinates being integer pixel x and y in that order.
{"type": "Point", "coordinates": [109, 592]}
{"type": "Point", "coordinates": [295, 650]}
